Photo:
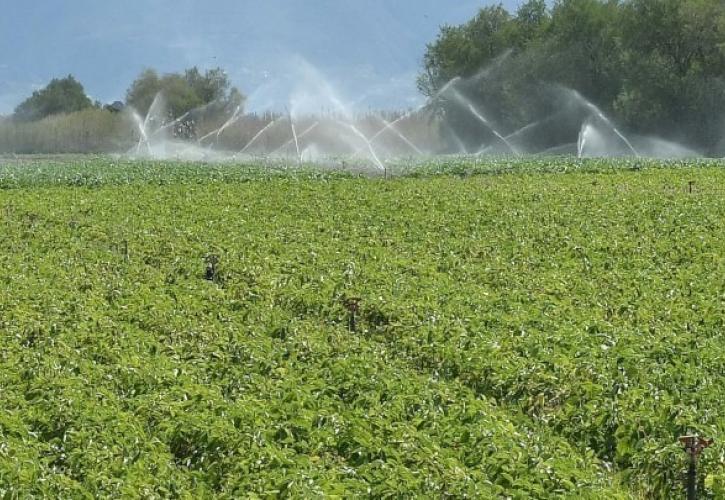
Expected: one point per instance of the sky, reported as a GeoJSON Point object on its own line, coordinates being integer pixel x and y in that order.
{"type": "Point", "coordinates": [368, 51]}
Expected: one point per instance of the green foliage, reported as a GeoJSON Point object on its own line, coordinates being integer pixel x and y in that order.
{"type": "Point", "coordinates": [674, 64]}
{"type": "Point", "coordinates": [64, 95]}
{"type": "Point", "coordinates": [656, 65]}
{"type": "Point", "coordinates": [184, 92]}
{"type": "Point", "coordinates": [91, 130]}
{"type": "Point", "coordinates": [546, 333]}
{"type": "Point", "coordinates": [480, 41]}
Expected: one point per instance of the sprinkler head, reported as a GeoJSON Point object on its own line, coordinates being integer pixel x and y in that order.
{"type": "Point", "coordinates": [694, 445]}
{"type": "Point", "coordinates": [352, 304]}
{"type": "Point", "coordinates": [211, 272]}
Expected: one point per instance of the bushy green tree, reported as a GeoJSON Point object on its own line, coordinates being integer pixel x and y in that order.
{"type": "Point", "coordinates": [463, 50]}
{"type": "Point", "coordinates": [582, 48]}
{"type": "Point", "coordinates": [655, 65]}
{"type": "Point", "coordinates": [185, 91]}
{"type": "Point", "coordinates": [64, 95]}
{"type": "Point", "coordinates": [673, 64]}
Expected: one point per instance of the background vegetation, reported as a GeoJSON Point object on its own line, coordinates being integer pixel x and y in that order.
{"type": "Point", "coordinates": [60, 96]}
{"type": "Point", "coordinates": [61, 119]}
{"type": "Point", "coordinates": [657, 66]}
{"type": "Point", "coordinates": [184, 92]}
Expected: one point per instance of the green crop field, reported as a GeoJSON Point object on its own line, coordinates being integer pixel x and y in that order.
{"type": "Point", "coordinates": [526, 329]}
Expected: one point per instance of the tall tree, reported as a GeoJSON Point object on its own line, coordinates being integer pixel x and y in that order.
{"type": "Point", "coordinates": [463, 50]}
{"type": "Point", "coordinates": [674, 65]}
{"type": "Point", "coordinates": [657, 66]}
{"type": "Point", "coordinates": [185, 91]}
{"type": "Point", "coordinates": [64, 95]}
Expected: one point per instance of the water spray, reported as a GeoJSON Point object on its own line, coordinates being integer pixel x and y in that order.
{"type": "Point", "coordinates": [600, 114]}
{"type": "Point", "coordinates": [294, 136]}
{"type": "Point", "coordinates": [373, 154]}
{"type": "Point", "coordinates": [301, 136]}
{"type": "Point", "coordinates": [258, 135]}
{"type": "Point", "coordinates": [231, 121]}
{"type": "Point", "coordinates": [470, 107]}
{"type": "Point", "coordinates": [340, 132]}
{"type": "Point", "coordinates": [391, 127]}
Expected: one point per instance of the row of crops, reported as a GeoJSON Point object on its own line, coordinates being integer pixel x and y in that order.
{"type": "Point", "coordinates": [544, 333]}
{"type": "Point", "coordinates": [91, 171]}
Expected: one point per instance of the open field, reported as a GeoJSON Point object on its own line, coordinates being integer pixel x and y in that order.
{"type": "Point", "coordinates": [527, 328]}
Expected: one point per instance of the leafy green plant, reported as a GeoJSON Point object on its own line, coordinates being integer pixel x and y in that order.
{"type": "Point", "coordinates": [543, 333]}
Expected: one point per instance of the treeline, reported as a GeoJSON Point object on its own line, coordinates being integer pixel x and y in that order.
{"type": "Point", "coordinates": [101, 130]}
{"type": "Point", "coordinates": [61, 118]}
{"type": "Point", "coordinates": [656, 66]}
{"type": "Point", "coordinates": [188, 106]}
{"type": "Point", "coordinates": [91, 130]}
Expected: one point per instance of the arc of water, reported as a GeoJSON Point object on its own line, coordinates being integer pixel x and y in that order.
{"type": "Point", "coordinates": [258, 135]}
{"type": "Point", "coordinates": [461, 99]}
{"type": "Point", "coordinates": [461, 147]}
{"type": "Point", "coordinates": [231, 121]}
{"type": "Point", "coordinates": [300, 136]}
{"type": "Point", "coordinates": [370, 148]}
{"type": "Point", "coordinates": [483, 73]}
{"type": "Point", "coordinates": [600, 114]}
{"type": "Point", "coordinates": [205, 137]}
{"type": "Point", "coordinates": [187, 114]}
{"type": "Point", "coordinates": [516, 133]}
{"type": "Point", "coordinates": [450, 87]}
{"type": "Point", "coordinates": [390, 126]}
{"type": "Point", "coordinates": [426, 104]}
{"type": "Point", "coordinates": [218, 132]}
{"type": "Point", "coordinates": [581, 141]}
{"type": "Point", "coordinates": [525, 129]}
{"type": "Point", "coordinates": [294, 136]}
{"type": "Point", "coordinates": [153, 109]}
{"type": "Point", "coordinates": [497, 63]}
{"type": "Point", "coordinates": [444, 89]}
{"type": "Point", "coordinates": [143, 139]}
{"type": "Point", "coordinates": [170, 124]}
{"type": "Point", "coordinates": [396, 121]}
{"type": "Point", "coordinates": [615, 129]}
{"type": "Point", "coordinates": [561, 148]}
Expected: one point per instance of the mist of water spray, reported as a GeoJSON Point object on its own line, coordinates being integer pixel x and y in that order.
{"type": "Point", "coordinates": [459, 143]}
{"type": "Point", "coordinates": [301, 136]}
{"type": "Point", "coordinates": [371, 149]}
{"type": "Point", "coordinates": [599, 114]}
{"type": "Point", "coordinates": [515, 134]}
{"type": "Point", "coordinates": [561, 149]}
{"type": "Point", "coordinates": [294, 136]}
{"type": "Point", "coordinates": [467, 104]}
{"type": "Point", "coordinates": [337, 130]}
{"type": "Point", "coordinates": [257, 136]}
{"type": "Point", "coordinates": [582, 140]}
{"type": "Point", "coordinates": [236, 116]}
{"type": "Point", "coordinates": [143, 137]}
{"type": "Point", "coordinates": [155, 114]}
{"type": "Point", "coordinates": [390, 126]}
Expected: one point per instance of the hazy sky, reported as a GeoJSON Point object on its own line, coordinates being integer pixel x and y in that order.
{"type": "Point", "coordinates": [368, 50]}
